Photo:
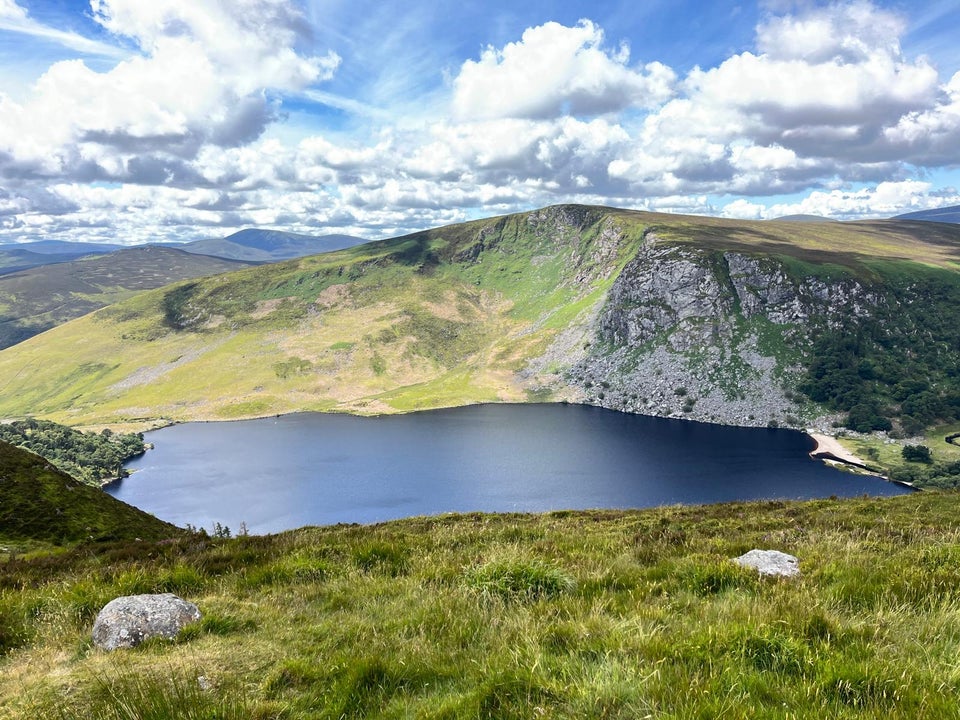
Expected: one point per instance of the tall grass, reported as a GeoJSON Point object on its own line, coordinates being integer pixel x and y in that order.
{"type": "Point", "coordinates": [564, 615]}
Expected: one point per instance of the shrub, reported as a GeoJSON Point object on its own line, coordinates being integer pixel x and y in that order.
{"type": "Point", "coordinates": [916, 453]}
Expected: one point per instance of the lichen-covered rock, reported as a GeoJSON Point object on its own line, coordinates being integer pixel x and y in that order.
{"type": "Point", "coordinates": [770, 562]}
{"type": "Point", "coordinates": [129, 620]}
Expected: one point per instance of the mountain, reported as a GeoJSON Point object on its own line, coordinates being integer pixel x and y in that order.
{"type": "Point", "coordinates": [270, 245]}
{"type": "Point", "coordinates": [23, 256]}
{"type": "Point", "coordinates": [62, 247]}
{"type": "Point", "coordinates": [35, 300]}
{"type": "Point", "coordinates": [15, 259]}
{"type": "Point", "coordinates": [39, 502]}
{"type": "Point", "coordinates": [943, 215]}
{"type": "Point", "coordinates": [741, 322]}
{"type": "Point", "coordinates": [802, 218]}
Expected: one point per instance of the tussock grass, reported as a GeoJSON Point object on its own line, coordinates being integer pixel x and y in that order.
{"type": "Point", "coordinates": [566, 615]}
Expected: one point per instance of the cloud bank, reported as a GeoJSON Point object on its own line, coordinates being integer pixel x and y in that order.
{"type": "Point", "coordinates": [185, 135]}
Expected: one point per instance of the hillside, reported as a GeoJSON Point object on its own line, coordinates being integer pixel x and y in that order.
{"type": "Point", "coordinates": [565, 615]}
{"type": "Point", "coordinates": [252, 245]}
{"type": "Point", "coordinates": [38, 299]}
{"type": "Point", "coordinates": [750, 323]}
{"type": "Point", "coordinates": [944, 215]}
{"type": "Point", "coordinates": [40, 503]}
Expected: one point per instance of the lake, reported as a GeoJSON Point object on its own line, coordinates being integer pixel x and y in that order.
{"type": "Point", "coordinates": [279, 473]}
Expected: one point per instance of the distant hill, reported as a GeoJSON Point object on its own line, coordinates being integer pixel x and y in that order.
{"type": "Point", "coordinates": [39, 502]}
{"type": "Point", "coordinates": [39, 298]}
{"type": "Point", "coordinates": [63, 247]}
{"type": "Point", "coordinates": [14, 259]}
{"type": "Point", "coordinates": [944, 215]}
{"type": "Point", "coordinates": [270, 245]}
{"type": "Point", "coordinates": [802, 218]}
{"type": "Point", "coordinates": [23, 256]}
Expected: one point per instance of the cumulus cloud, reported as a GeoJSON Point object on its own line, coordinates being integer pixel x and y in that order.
{"type": "Point", "coordinates": [555, 70]}
{"type": "Point", "coordinates": [174, 138]}
{"type": "Point", "coordinates": [209, 74]}
{"type": "Point", "coordinates": [883, 200]}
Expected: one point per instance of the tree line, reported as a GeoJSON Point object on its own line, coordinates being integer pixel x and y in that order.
{"type": "Point", "coordinates": [88, 457]}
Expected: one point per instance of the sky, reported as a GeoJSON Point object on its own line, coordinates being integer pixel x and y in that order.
{"type": "Point", "coordinates": [172, 120]}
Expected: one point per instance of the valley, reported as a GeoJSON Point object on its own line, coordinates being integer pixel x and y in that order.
{"type": "Point", "coordinates": [755, 324]}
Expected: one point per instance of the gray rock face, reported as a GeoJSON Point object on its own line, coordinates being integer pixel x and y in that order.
{"type": "Point", "coordinates": [711, 335]}
{"type": "Point", "coordinates": [770, 562]}
{"type": "Point", "coordinates": [127, 621]}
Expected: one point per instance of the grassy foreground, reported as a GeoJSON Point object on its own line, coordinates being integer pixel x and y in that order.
{"type": "Point", "coordinates": [566, 615]}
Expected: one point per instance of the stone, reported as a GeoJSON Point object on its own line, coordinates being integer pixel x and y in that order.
{"type": "Point", "coordinates": [770, 562]}
{"type": "Point", "coordinates": [127, 621]}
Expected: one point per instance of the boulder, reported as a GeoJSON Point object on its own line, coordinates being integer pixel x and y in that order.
{"type": "Point", "coordinates": [770, 562]}
{"type": "Point", "coordinates": [127, 621]}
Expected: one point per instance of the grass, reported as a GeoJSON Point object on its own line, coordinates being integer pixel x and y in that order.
{"type": "Point", "coordinates": [40, 503]}
{"type": "Point", "coordinates": [43, 297]}
{"type": "Point", "coordinates": [443, 317]}
{"type": "Point", "coordinates": [566, 615]}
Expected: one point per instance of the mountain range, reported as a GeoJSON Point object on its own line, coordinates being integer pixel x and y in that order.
{"type": "Point", "coordinates": [253, 245]}
{"type": "Point", "coordinates": [945, 215]}
{"type": "Point", "coordinates": [47, 295]}
{"type": "Point", "coordinates": [751, 323]}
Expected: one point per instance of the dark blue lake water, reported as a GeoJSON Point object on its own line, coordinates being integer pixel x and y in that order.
{"type": "Point", "coordinates": [314, 469]}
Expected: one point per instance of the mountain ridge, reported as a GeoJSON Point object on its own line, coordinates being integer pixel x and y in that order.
{"type": "Point", "coordinates": [39, 298]}
{"type": "Point", "coordinates": [257, 245]}
{"type": "Point", "coordinates": [950, 214]}
{"type": "Point", "coordinates": [700, 318]}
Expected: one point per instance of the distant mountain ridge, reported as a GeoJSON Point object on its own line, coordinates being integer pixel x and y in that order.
{"type": "Point", "coordinates": [949, 214]}
{"type": "Point", "coordinates": [253, 245]}
{"type": "Point", "coordinates": [802, 218]}
{"type": "Point", "coordinates": [39, 298]}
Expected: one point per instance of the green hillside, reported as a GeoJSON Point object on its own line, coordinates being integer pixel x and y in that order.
{"type": "Point", "coordinates": [696, 317]}
{"type": "Point", "coordinates": [40, 503]}
{"type": "Point", "coordinates": [565, 615]}
{"type": "Point", "coordinates": [35, 300]}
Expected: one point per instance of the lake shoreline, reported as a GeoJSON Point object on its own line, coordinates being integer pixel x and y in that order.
{"type": "Point", "coordinates": [323, 468]}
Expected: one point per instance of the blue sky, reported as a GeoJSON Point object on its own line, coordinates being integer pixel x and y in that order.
{"type": "Point", "coordinates": [128, 121]}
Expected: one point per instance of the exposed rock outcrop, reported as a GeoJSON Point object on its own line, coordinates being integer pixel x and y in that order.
{"type": "Point", "coordinates": [770, 563]}
{"type": "Point", "coordinates": [708, 335]}
{"type": "Point", "coordinates": [127, 621]}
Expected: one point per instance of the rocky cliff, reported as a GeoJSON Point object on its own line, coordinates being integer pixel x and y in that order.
{"type": "Point", "coordinates": [712, 335]}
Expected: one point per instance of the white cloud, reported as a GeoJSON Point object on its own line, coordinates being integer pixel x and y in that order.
{"type": "Point", "coordinates": [208, 76]}
{"type": "Point", "coordinates": [555, 70]}
{"type": "Point", "coordinates": [185, 134]}
{"type": "Point", "coordinates": [882, 200]}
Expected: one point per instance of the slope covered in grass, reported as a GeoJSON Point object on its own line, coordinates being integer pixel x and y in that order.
{"type": "Point", "coordinates": [40, 503]}
{"type": "Point", "coordinates": [40, 298]}
{"type": "Point", "coordinates": [507, 309]}
{"type": "Point", "coordinates": [565, 615]}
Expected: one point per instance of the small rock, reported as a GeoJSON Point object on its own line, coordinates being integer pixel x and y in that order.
{"type": "Point", "coordinates": [770, 562]}
{"type": "Point", "coordinates": [129, 620]}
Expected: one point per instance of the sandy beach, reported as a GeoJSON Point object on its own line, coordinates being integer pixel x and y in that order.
{"type": "Point", "coordinates": [827, 445]}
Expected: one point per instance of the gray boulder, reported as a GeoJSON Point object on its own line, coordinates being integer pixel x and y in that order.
{"type": "Point", "coordinates": [770, 562]}
{"type": "Point", "coordinates": [127, 621]}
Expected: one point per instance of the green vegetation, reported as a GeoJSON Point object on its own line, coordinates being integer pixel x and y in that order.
{"type": "Point", "coordinates": [35, 300]}
{"type": "Point", "coordinates": [40, 503]}
{"type": "Point", "coordinates": [563, 615]}
{"type": "Point", "coordinates": [898, 367]}
{"type": "Point", "coordinates": [88, 457]}
{"type": "Point", "coordinates": [503, 310]}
